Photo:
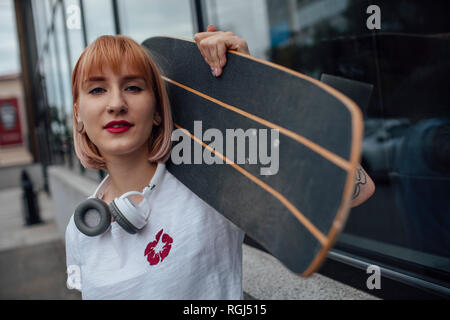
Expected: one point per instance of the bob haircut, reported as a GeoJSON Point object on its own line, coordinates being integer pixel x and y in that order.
{"type": "Point", "coordinates": [114, 51]}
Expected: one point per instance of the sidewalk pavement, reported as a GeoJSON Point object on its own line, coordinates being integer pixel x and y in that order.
{"type": "Point", "coordinates": [32, 258]}
{"type": "Point", "coordinates": [32, 263]}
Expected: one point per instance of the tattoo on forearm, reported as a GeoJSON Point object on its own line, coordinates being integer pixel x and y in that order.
{"type": "Point", "coordinates": [360, 180]}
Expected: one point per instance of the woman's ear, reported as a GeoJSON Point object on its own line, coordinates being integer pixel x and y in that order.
{"type": "Point", "coordinates": [156, 119]}
{"type": "Point", "coordinates": [78, 122]}
{"type": "Point", "coordinates": [75, 112]}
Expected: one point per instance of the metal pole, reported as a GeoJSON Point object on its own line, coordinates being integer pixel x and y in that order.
{"type": "Point", "coordinates": [116, 17]}
{"type": "Point", "coordinates": [198, 10]}
{"type": "Point", "coordinates": [83, 23]}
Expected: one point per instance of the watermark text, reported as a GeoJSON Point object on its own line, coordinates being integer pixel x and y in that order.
{"type": "Point", "coordinates": [241, 147]}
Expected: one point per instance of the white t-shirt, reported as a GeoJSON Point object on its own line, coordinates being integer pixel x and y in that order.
{"type": "Point", "coordinates": [187, 250]}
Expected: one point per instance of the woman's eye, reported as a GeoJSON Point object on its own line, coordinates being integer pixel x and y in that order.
{"type": "Point", "coordinates": [96, 90]}
{"type": "Point", "coordinates": [134, 89]}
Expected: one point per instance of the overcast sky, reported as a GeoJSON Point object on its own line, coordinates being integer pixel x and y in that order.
{"type": "Point", "coordinates": [9, 49]}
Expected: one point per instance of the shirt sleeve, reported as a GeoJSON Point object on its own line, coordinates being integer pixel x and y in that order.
{"type": "Point", "coordinates": [73, 260]}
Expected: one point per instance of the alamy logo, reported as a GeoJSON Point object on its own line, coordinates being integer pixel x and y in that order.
{"type": "Point", "coordinates": [237, 149]}
{"type": "Point", "coordinates": [374, 281]}
{"type": "Point", "coordinates": [73, 17]}
{"type": "Point", "coordinates": [374, 20]}
{"type": "Point", "coordinates": [73, 277]}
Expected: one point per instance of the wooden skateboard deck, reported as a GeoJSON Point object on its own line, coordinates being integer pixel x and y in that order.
{"type": "Point", "coordinates": [297, 213]}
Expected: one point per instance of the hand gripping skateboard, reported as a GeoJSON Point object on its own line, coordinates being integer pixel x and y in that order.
{"type": "Point", "coordinates": [297, 213]}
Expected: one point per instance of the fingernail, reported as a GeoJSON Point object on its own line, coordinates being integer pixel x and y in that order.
{"type": "Point", "coordinates": [214, 72]}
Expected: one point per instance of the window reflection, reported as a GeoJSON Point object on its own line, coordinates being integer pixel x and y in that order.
{"type": "Point", "coordinates": [54, 103]}
{"type": "Point", "coordinates": [65, 73]}
{"type": "Point", "coordinates": [141, 19]}
{"type": "Point", "coordinates": [405, 121]}
{"type": "Point", "coordinates": [48, 11]}
{"type": "Point", "coordinates": [248, 19]}
{"type": "Point", "coordinates": [406, 146]}
{"type": "Point", "coordinates": [64, 67]}
{"type": "Point", "coordinates": [421, 176]}
{"type": "Point", "coordinates": [53, 71]}
{"type": "Point", "coordinates": [99, 19]}
{"type": "Point", "coordinates": [40, 25]}
{"type": "Point", "coordinates": [75, 34]}
{"type": "Point", "coordinates": [49, 80]}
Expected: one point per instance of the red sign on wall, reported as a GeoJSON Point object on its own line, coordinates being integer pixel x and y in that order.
{"type": "Point", "coordinates": [10, 132]}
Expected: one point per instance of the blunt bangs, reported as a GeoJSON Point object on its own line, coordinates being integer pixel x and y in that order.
{"type": "Point", "coordinates": [112, 52]}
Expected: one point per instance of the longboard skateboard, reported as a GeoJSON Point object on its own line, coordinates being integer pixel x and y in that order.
{"type": "Point", "coordinates": [297, 213]}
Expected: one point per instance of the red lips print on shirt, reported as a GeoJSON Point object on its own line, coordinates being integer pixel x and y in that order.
{"type": "Point", "coordinates": [154, 257]}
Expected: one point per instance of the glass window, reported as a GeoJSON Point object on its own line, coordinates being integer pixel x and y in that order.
{"type": "Point", "coordinates": [65, 72]}
{"type": "Point", "coordinates": [99, 18]}
{"type": "Point", "coordinates": [141, 19]}
{"type": "Point", "coordinates": [406, 147]}
{"type": "Point", "coordinates": [247, 19]}
{"type": "Point", "coordinates": [53, 73]}
{"type": "Point", "coordinates": [40, 25]}
{"type": "Point", "coordinates": [63, 59]}
{"type": "Point", "coordinates": [48, 12]}
{"type": "Point", "coordinates": [50, 81]}
{"type": "Point", "coordinates": [53, 94]}
{"type": "Point", "coordinates": [74, 30]}
{"type": "Point", "coordinates": [9, 48]}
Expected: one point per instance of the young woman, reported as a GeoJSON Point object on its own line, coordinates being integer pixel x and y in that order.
{"type": "Point", "coordinates": [123, 124]}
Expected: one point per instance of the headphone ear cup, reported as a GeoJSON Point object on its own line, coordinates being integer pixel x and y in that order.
{"type": "Point", "coordinates": [120, 218]}
{"type": "Point", "coordinates": [103, 211]}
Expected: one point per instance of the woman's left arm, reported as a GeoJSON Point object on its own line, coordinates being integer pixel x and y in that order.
{"type": "Point", "coordinates": [364, 187]}
{"type": "Point", "coordinates": [214, 44]}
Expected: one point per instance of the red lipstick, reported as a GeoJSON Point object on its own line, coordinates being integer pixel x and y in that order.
{"type": "Point", "coordinates": [118, 126]}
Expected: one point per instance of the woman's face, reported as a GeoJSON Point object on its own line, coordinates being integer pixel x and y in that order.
{"type": "Point", "coordinates": [118, 111]}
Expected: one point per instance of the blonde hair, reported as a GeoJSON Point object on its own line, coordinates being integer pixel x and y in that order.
{"type": "Point", "coordinates": [114, 51]}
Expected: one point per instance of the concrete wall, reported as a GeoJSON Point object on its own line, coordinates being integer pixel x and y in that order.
{"type": "Point", "coordinates": [68, 189]}
{"type": "Point", "coordinates": [10, 176]}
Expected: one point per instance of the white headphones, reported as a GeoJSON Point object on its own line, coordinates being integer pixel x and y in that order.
{"type": "Point", "coordinates": [125, 212]}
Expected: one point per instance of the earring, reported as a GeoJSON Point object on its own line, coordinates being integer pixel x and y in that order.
{"type": "Point", "coordinates": [157, 120]}
{"type": "Point", "coordinates": [80, 127]}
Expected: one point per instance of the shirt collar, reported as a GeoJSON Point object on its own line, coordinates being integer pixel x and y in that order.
{"type": "Point", "coordinates": [154, 182]}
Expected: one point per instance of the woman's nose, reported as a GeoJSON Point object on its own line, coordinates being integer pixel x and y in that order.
{"type": "Point", "coordinates": [117, 104]}
{"type": "Point", "coordinates": [119, 109]}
